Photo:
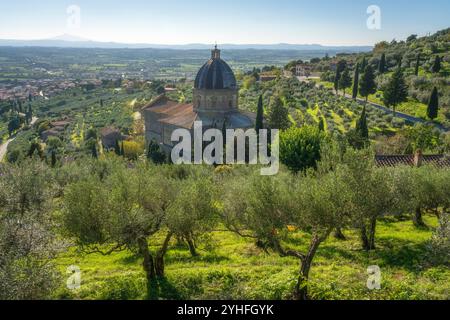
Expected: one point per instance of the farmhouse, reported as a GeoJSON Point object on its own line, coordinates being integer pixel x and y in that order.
{"type": "Point", "coordinates": [110, 136]}
{"type": "Point", "coordinates": [215, 103]}
{"type": "Point", "coordinates": [303, 70]}
{"type": "Point", "coordinates": [265, 77]}
{"type": "Point", "coordinates": [55, 129]}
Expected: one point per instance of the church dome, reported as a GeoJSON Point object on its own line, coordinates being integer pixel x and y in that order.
{"type": "Point", "coordinates": [215, 74]}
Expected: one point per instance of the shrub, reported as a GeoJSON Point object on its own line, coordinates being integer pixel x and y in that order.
{"type": "Point", "coordinates": [133, 149]}
{"type": "Point", "coordinates": [300, 147]}
{"type": "Point", "coordinates": [439, 247]}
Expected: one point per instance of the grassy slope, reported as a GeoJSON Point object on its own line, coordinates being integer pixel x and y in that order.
{"type": "Point", "coordinates": [237, 269]}
{"type": "Point", "coordinates": [411, 107]}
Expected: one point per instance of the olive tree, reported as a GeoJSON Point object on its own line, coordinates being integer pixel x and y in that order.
{"type": "Point", "coordinates": [431, 192]}
{"type": "Point", "coordinates": [439, 247]}
{"type": "Point", "coordinates": [269, 209]}
{"type": "Point", "coordinates": [27, 244]}
{"type": "Point", "coordinates": [193, 213]}
{"type": "Point", "coordinates": [121, 212]}
{"type": "Point", "coordinates": [375, 192]}
{"type": "Point", "coordinates": [133, 207]}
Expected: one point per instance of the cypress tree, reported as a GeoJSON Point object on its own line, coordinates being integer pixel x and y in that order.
{"type": "Point", "coordinates": [416, 71]}
{"type": "Point", "coordinates": [259, 115]}
{"type": "Point", "coordinates": [358, 138]}
{"type": "Point", "coordinates": [94, 151]}
{"type": "Point", "coordinates": [361, 125]}
{"type": "Point", "coordinates": [345, 81]}
{"type": "Point", "coordinates": [155, 154]}
{"type": "Point", "coordinates": [321, 124]}
{"type": "Point", "coordinates": [399, 62]}
{"type": "Point", "coordinates": [382, 64]}
{"type": "Point", "coordinates": [363, 64]}
{"type": "Point", "coordinates": [337, 77]}
{"type": "Point", "coordinates": [367, 85]}
{"type": "Point", "coordinates": [340, 66]}
{"type": "Point", "coordinates": [224, 131]}
{"type": "Point", "coordinates": [53, 158]}
{"type": "Point", "coordinates": [356, 82]}
{"type": "Point", "coordinates": [30, 112]}
{"type": "Point", "coordinates": [117, 148]}
{"type": "Point", "coordinates": [396, 91]}
{"type": "Point", "coordinates": [278, 114]}
{"type": "Point", "coordinates": [436, 65]}
{"type": "Point", "coordinates": [35, 147]}
{"type": "Point", "coordinates": [433, 105]}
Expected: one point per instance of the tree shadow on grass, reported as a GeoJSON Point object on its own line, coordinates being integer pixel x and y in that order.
{"type": "Point", "coordinates": [161, 288]}
{"type": "Point", "coordinates": [389, 252]}
{"type": "Point", "coordinates": [331, 252]}
{"type": "Point", "coordinates": [131, 259]}
{"type": "Point", "coordinates": [207, 257]}
{"type": "Point", "coordinates": [401, 253]}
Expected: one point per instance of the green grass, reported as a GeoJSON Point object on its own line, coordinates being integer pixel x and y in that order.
{"type": "Point", "coordinates": [315, 113]}
{"type": "Point", "coordinates": [325, 84]}
{"type": "Point", "coordinates": [338, 121]}
{"type": "Point", "coordinates": [411, 107]}
{"type": "Point", "coordinates": [236, 269]}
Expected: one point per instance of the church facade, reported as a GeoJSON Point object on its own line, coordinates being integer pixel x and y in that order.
{"type": "Point", "coordinates": [215, 104]}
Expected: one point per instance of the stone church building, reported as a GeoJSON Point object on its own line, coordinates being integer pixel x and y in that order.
{"type": "Point", "coordinates": [215, 103]}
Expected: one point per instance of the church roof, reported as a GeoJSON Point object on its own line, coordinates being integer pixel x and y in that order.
{"type": "Point", "coordinates": [183, 115]}
{"type": "Point", "coordinates": [171, 112]}
{"type": "Point", "coordinates": [215, 74]}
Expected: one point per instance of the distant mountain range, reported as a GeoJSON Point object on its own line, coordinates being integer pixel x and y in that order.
{"type": "Point", "coordinates": [70, 41]}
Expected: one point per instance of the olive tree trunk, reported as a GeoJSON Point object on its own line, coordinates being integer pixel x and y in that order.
{"type": "Point", "coordinates": [301, 288]}
{"type": "Point", "coordinates": [368, 235]}
{"type": "Point", "coordinates": [147, 264]}
{"type": "Point", "coordinates": [338, 234]}
{"type": "Point", "coordinates": [159, 261]}
{"type": "Point", "coordinates": [364, 238]}
{"type": "Point", "coordinates": [417, 218]}
{"type": "Point", "coordinates": [372, 230]}
{"type": "Point", "coordinates": [192, 248]}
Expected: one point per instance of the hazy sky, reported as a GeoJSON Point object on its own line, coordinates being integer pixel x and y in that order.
{"type": "Point", "coordinates": [328, 22]}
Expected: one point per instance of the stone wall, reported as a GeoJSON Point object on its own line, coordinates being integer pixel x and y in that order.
{"type": "Point", "coordinates": [223, 100]}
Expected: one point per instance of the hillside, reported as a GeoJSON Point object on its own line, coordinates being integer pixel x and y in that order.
{"type": "Point", "coordinates": [230, 267]}
{"type": "Point", "coordinates": [408, 52]}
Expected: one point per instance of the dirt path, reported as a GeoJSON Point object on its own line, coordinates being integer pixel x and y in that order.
{"type": "Point", "coordinates": [4, 146]}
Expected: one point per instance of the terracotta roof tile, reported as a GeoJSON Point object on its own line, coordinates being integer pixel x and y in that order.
{"type": "Point", "coordinates": [172, 112]}
{"type": "Point", "coordinates": [438, 160]}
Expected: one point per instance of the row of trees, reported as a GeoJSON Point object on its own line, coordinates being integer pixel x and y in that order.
{"type": "Point", "coordinates": [395, 91]}
{"type": "Point", "coordinates": [106, 206]}
{"type": "Point", "coordinates": [125, 209]}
